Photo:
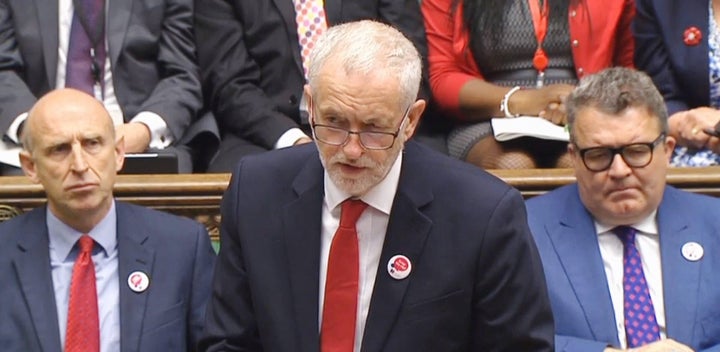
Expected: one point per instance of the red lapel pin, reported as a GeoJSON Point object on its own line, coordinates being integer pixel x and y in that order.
{"type": "Point", "coordinates": [692, 36]}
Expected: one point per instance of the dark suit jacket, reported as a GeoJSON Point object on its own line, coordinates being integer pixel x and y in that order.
{"type": "Point", "coordinates": [168, 316]}
{"type": "Point", "coordinates": [250, 58]}
{"type": "Point", "coordinates": [584, 321]}
{"type": "Point", "coordinates": [476, 282]}
{"type": "Point", "coordinates": [150, 45]}
{"type": "Point", "coordinates": [679, 71]}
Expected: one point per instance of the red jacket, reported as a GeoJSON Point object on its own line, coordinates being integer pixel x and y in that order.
{"type": "Point", "coordinates": [600, 37]}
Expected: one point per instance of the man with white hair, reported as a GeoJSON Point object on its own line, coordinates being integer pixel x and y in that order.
{"type": "Point", "coordinates": [367, 241]}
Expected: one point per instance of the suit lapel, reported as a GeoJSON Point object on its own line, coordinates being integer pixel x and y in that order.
{"type": "Point", "coordinates": [406, 234]}
{"type": "Point", "coordinates": [301, 228]}
{"type": "Point", "coordinates": [287, 11]}
{"type": "Point", "coordinates": [116, 27]}
{"type": "Point", "coordinates": [47, 14]}
{"type": "Point", "coordinates": [680, 276]}
{"type": "Point", "coordinates": [575, 241]}
{"type": "Point", "coordinates": [133, 255]}
{"type": "Point", "coordinates": [693, 14]}
{"type": "Point", "coordinates": [33, 269]}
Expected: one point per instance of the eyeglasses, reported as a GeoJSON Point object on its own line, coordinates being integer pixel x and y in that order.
{"type": "Point", "coordinates": [371, 140]}
{"type": "Point", "coordinates": [635, 155]}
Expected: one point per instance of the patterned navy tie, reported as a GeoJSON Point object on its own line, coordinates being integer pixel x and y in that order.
{"type": "Point", "coordinates": [641, 326]}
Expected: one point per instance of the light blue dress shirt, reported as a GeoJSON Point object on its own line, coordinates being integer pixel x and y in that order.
{"type": "Point", "coordinates": [63, 251]}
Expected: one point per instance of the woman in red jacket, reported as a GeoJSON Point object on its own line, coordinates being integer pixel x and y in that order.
{"type": "Point", "coordinates": [485, 61]}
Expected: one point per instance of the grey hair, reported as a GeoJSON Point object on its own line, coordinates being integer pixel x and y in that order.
{"type": "Point", "coordinates": [614, 90]}
{"type": "Point", "coordinates": [367, 46]}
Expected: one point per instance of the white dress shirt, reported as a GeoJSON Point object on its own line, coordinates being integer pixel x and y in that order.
{"type": "Point", "coordinates": [647, 241]}
{"type": "Point", "coordinates": [371, 228]}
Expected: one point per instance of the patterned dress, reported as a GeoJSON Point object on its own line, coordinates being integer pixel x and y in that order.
{"type": "Point", "coordinates": [507, 61]}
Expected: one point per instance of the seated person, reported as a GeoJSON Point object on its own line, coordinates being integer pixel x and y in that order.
{"type": "Point", "coordinates": [86, 272]}
{"type": "Point", "coordinates": [142, 67]}
{"type": "Point", "coordinates": [631, 263]}
{"type": "Point", "coordinates": [254, 66]}
{"type": "Point", "coordinates": [680, 50]}
{"type": "Point", "coordinates": [525, 56]}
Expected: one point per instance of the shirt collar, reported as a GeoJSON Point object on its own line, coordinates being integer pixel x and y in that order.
{"type": "Point", "coordinates": [380, 197]}
{"type": "Point", "coordinates": [63, 237]}
{"type": "Point", "coordinates": [648, 225]}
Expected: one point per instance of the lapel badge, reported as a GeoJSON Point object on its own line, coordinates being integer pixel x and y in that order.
{"type": "Point", "coordinates": [692, 251]}
{"type": "Point", "coordinates": [399, 267]}
{"type": "Point", "coordinates": [138, 281]}
{"type": "Point", "coordinates": [692, 36]}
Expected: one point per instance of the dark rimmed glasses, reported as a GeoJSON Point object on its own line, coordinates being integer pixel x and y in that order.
{"type": "Point", "coordinates": [371, 140]}
{"type": "Point", "coordinates": [635, 155]}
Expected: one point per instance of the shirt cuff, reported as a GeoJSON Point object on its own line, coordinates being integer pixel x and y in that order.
{"type": "Point", "coordinates": [160, 135]}
{"type": "Point", "coordinates": [12, 132]}
{"type": "Point", "coordinates": [289, 138]}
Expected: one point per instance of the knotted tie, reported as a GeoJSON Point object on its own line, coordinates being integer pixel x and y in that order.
{"type": "Point", "coordinates": [86, 48]}
{"type": "Point", "coordinates": [83, 332]}
{"type": "Point", "coordinates": [311, 24]}
{"type": "Point", "coordinates": [640, 325]}
{"type": "Point", "coordinates": [341, 287]}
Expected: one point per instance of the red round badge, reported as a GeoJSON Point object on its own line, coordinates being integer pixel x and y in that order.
{"type": "Point", "coordinates": [692, 36]}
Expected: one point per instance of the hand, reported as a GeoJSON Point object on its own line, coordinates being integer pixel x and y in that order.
{"type": "Point", "coordinates": [136, 134]}
{"type": "Point", "coordinates": [302, 140]}
{"type": "Point", "coordinates": [667, 345]}
{"type": "Point", "coordinates": [687, 127]}
{"type": "Point", "coordinates": [546, 102]}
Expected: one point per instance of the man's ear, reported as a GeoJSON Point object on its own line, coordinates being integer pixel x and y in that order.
{"type": "Point", "coordinates": [119, 153]}
{"type": "Point", "coordinates": [307, 96]}
{"type": "Point", "coordinates": [414, 114]}
{"type": "Point", "coordinates": [28, 166]}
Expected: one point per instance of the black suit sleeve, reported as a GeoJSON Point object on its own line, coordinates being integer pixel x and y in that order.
{"type": "Point", "coordinates": [511, 305]}
{"type": "Point", "coordinates": [177, 96]}
{"type": "Point", "coordinates": [15, 96]}
{"type": "Point", "coordinates": [231, 76]}
{"type": "Point", "coordinates": [231, 324]}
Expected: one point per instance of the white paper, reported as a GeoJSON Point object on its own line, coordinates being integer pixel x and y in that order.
{"type": "Point", "coordinates": [9, 154]}
{"type": "Point", "coordinates": [509, 128]}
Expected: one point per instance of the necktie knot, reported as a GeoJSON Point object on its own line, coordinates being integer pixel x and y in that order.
{"type": "Point", "coordinates": [86, 244]}
{"type": "Point", "coordinates": [350, 212]}
{"type": "Point", "coordinates": [626, 234]}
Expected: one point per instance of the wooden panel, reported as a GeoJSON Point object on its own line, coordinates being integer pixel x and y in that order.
{"type": "Point", "coordinates": [198, 195]}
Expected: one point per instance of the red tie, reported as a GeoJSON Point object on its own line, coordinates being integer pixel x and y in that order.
{"type": "Point", "coordinates": [341, 286]}
{"type": "Point", "coordinates": [83, 332]}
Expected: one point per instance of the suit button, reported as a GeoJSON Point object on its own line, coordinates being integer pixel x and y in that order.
{"type": "Point", "coordinates": [580, 71]}
{"type": "Point", "coordinates": [573, 13]}
{"type": "Point", "coordinates": [575, 43]}
{"type": "Point", "coordinates": [293, 100]}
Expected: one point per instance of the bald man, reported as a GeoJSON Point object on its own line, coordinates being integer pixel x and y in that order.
{"type": "Point", "coordinates": [87, 272]}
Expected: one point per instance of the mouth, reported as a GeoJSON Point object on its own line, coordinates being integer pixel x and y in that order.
{"type": "Point", "coordinates": [350, 169]}
{"type": "Point", "coordinates": [82, 187]}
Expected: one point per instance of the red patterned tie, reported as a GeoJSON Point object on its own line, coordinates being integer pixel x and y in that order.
{"type": "Point", "coordinates": [341, 287]}
{"type": "Point", "coordinates": [641, 327]}
{"type": "Point", "coordinates": [83, 332]}
{"type": "Point", "coordinates": [311, 24]}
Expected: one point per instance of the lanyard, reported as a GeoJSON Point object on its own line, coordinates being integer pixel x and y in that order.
{"type": "Point", "coordinates": [540, 22]}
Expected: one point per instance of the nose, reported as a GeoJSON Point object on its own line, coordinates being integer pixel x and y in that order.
{"type": "Point", "coordinates": [78, 163]}
{"type": "Point", "coordinates": [352, 148]}
{"type": "Point", "coordinates": [619, 168]}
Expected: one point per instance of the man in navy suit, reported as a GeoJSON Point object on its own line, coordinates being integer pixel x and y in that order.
{"type": "Point", "coordinates": [152, 270]}
{"type": "Point", "coordinates": [620, 147]}
{"type": "Point", "coordinates": [443, 257]}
